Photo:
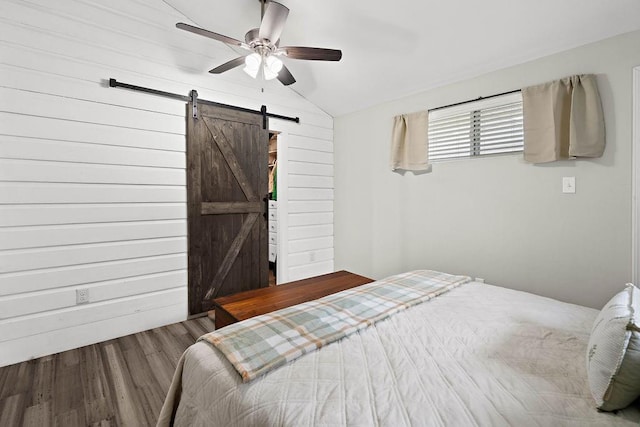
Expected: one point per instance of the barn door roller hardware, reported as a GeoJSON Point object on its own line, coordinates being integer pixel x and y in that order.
{"type": "Point", "coordinates": [193, 98]}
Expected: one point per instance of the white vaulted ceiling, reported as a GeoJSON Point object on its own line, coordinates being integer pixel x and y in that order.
{"type": "Point", "coordinates": [396, 48]}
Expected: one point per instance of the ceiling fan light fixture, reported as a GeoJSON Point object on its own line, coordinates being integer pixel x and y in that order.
{"type": "Point", "coordinates": [252, 64]}
{"type": "Point", "coordinates": [272, 67]}
{"type": "Point", "coordinates": [274, 64]}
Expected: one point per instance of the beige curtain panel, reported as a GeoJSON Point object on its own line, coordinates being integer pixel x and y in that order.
{"type": "Point", "coordinates": [563, 119]}
{"type": "Point", "coordinates": [409, 145]}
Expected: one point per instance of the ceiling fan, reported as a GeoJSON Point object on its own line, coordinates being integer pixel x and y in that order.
{"type": "Point", "coordinates": [263, 45]}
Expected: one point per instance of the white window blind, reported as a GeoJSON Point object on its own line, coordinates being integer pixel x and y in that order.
{"type": "Point", "coordinates": [478, 128]}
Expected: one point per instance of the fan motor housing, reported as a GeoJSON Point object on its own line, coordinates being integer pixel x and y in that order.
{"type": "Point", "coordinates": [252, 38]}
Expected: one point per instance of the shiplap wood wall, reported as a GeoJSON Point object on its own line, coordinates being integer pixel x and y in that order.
{"type": "Point", "coordinates": [92, 179]}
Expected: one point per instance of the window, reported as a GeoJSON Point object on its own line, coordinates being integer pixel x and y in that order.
{"type": "Point", "coordinates": [477, 128]}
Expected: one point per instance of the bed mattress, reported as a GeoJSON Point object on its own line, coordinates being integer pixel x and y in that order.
{"type": "Point", "coordinates": [479, 355]}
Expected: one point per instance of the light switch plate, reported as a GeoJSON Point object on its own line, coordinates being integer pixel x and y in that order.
{"type": "Point", "coordinates": [568, 184]}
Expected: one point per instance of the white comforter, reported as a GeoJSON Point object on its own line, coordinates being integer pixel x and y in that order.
{"type": "Point", "coordinates": [478, 355]}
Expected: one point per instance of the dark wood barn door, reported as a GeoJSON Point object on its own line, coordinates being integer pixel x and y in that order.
{"type": "Point", "coordinates": [227, 181]}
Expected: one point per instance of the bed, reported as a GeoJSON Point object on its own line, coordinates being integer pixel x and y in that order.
{"type": "Point", "coordinates": [477, 355]}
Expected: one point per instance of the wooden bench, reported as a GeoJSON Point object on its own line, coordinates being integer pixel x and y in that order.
{"type": "Point", "coordinates": [244, 305]}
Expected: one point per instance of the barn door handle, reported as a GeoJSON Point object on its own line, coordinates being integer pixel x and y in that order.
{"type": "Point", "coordinates": [266, 207]}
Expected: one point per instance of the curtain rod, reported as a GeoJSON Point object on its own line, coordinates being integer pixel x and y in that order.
{"type": "Point", "coordinates": [474, 100]}
{"type": "Point", "coordinates": [193, 97]}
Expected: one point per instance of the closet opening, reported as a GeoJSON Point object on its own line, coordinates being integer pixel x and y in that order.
{"type": "Point", "coordinates": [273, 207]}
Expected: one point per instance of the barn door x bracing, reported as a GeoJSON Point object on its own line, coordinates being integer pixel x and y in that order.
{"type": "Point", "coordinates": [227, 181]}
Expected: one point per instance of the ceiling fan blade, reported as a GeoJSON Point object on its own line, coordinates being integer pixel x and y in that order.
{"type": "Point", "coordinates": [228, 65]}
{"type": "Point", "coordinates": [273, 21]}
{"type": "Point", "coordinates": [211, 35]}
{"type": "Point", "coordinates": [311, 53]}
{"type": "Point", "coordinates": [285, 76]}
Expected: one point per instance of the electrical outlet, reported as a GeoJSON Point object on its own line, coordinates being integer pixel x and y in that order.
{"type": "Point", "coordinates": [82, 296]}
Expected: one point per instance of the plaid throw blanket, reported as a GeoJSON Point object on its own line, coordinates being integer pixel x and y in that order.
{"type": "Point", "coordinates": [260, 344]}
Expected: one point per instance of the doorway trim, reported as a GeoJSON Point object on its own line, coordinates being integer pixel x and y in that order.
{"type": "Point", "coordinates": [283, 207]}
{"type": "Point", "coordinates": [635, 173]}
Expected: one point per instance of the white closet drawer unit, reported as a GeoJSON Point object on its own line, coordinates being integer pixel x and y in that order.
{"type": "Point", "coordinates": [273, 230]}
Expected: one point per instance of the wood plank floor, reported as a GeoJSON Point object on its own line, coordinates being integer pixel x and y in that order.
{"type": "Point", "coordinates": [121, 382]}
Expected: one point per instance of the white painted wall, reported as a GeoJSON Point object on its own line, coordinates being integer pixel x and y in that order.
{"type": "Point", "coordinates": [92, 179]}
{"type": "Point", "coordinates": [496, 218]}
